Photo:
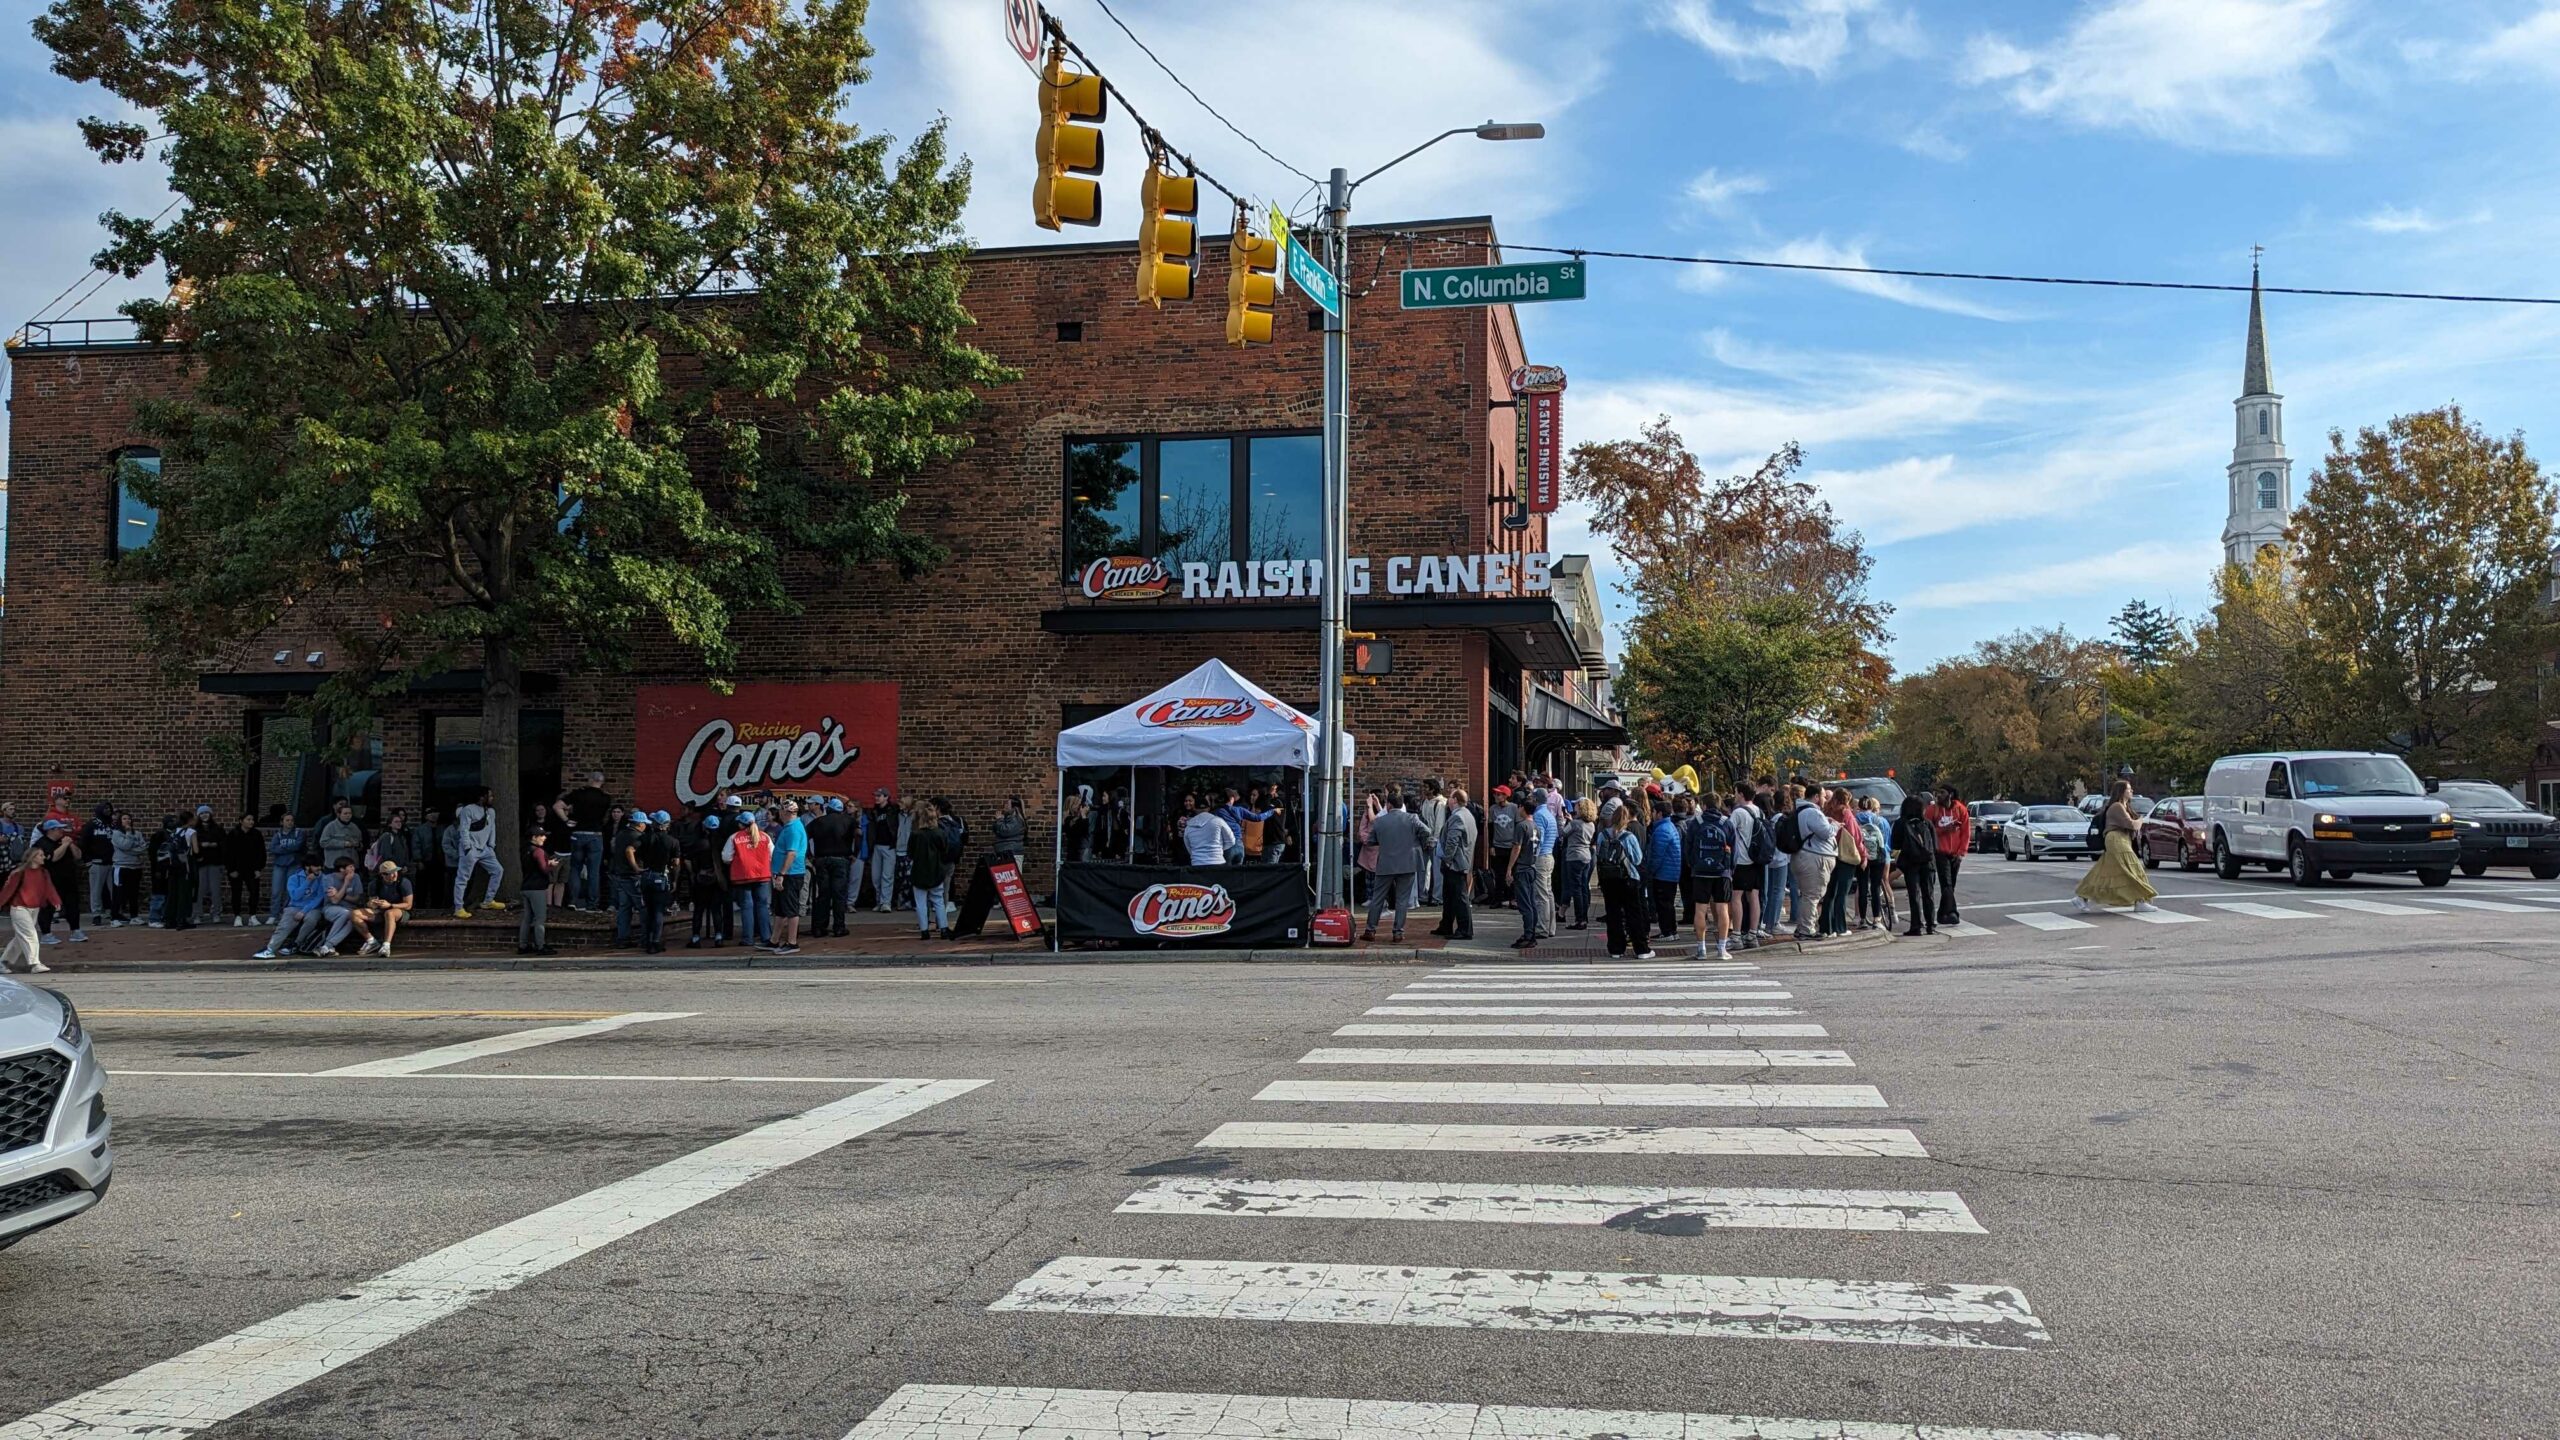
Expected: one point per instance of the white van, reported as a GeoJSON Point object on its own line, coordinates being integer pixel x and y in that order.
{"type": "Point", "coordinates": [2311, 813]}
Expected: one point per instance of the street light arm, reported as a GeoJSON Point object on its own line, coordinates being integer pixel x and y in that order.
{"type": "Point", "coordinates": [1409, 154]}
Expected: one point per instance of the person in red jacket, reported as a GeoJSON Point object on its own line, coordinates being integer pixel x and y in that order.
{"type": "Point", "coordinates": [27, 891]}
{"type": "Point", "coordinates": [1951, 826]}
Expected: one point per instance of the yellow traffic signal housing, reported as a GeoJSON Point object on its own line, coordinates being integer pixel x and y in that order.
{"type": "Point", "coordinates": [1168, 235]}
{"type": "Point", "coordinates": [1069, 153]}
{"type": "Point", "coordinates": [1251, 287]}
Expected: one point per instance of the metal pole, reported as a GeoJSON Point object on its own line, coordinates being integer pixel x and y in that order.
{"type": "Point", "coordinates": [1058, 857]}
{"type": "Point", "coordinates": [1337, 547]}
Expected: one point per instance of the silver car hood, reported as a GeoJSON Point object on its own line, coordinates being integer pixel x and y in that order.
{"type": "Point", "coordinates": [28, 1018]}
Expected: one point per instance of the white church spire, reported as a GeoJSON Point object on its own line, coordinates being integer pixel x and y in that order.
{"type": "Point", "coordinates": [2261, 475]}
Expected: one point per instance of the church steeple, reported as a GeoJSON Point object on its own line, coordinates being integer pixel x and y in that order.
{"type": "Point", "coordinates": [2261, 474]}
{"type": "Point", "coordinates": [2253, 378]}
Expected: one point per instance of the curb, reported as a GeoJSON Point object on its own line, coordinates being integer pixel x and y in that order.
{"type": "Point", "coordinates": [1380, 956]}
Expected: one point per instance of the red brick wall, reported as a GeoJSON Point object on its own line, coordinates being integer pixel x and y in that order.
{"type": "Point", "coordinates": [982, 682]}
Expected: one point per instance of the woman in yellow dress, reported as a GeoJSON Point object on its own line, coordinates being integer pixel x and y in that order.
{"type": "Point", "coordinates": [2115, 878]}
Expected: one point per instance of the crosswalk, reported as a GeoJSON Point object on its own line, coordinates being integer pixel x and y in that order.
{"type": "Point", "coordinates": [2057, 917]}
{"type": "Point", "coordinates": [1638, 1168]}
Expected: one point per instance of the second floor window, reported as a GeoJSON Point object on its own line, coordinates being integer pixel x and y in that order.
{"type": "Point", "coordinates": [1209, 498]}
{"type": "Point", "coordinates": [133, 523]}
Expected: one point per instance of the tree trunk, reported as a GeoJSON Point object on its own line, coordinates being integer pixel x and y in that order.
{"type": "Point", "coordinates": [501, 732]}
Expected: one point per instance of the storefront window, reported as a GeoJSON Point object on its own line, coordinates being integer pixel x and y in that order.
{"type": "Point", "coordinates": [1285, 498]}
{"type": "Point", "coordinates": [1207, 498]}
{"type": "Point", "coordinates": [1195, 500]}
{"type": "Point", "coordinates": [297, 768]}
{"type": "Point", "coordinates": [453, 759]}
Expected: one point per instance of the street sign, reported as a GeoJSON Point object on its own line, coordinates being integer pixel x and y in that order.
{"type": "Point", "coordinates": [1315, 280]}
{"type": "Point", "coordinates": [1493, 284]}
{"type": "Point", "coordinates": [1022, 28]}
{"type": "Point", "coordinates": [1280, 233]}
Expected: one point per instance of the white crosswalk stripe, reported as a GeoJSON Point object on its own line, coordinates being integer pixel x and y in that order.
{"type": "Point", "coordinates": [2157, 916]}
{"type": "Point", "coordinates": [1871, 1312]}
{"type": "Point", "coordinates": [1592, 1009]}
{"type": "Point", "coordinates": [1650, 1210]}
{"type": "Point", "coordinates": [1577, 1059]}
{"type": "Point", "coordinates": [1478, 987]}
{"type": "Point", "coordinates": [2498, 906]}
{"type": "Point", "coordinates": [1607, 1096]}
{"type": "Point", "coordinates": [1965, 928]}
{"type": "Point", "coordinates": [1601, 971]}
{"type": "Point", "coordinates": [1552, 994]}
{"type": "Point", "coordinates": [1000, 1412]}
{"type": "Point", "coordinates": [1709, 1031]}
{"type": "Point", "coordinates": [2045, 920]}
{"type": "Point", "coordinates": [1574, 1139]}
{"type": "Point", "coordinates": [2366, 907]}
{"type": "Point", "coordinates": [2255, 910]}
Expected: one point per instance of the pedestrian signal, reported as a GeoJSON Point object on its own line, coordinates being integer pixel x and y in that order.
{"type": "Point", "coordinates": [1373, 657]}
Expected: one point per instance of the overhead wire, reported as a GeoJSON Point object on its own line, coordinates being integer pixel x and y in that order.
{"type": "Point", "coordinates": [1196, 97]}
{"type": "Point", "coordinates": [1156, 143]}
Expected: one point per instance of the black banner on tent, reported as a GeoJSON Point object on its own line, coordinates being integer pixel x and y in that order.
{"type": "Point", "coordinates": [1225, 907]}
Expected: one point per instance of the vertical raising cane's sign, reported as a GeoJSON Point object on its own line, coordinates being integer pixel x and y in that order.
{"type": "Point", "coordinates": [825, 739]}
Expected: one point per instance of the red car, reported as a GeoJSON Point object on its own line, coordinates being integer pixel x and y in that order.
{"type": "Point", "coordinates": [2174, 830]}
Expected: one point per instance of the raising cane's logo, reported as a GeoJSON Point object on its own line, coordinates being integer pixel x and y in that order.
{"type": "Point", "coordinates": [1125, 577]}
{"type": "Point", "coordinates": [1183, 714]}
{"type": "Point", "coordinates": [1182, 908]}
{"type": "Point", "coordinates": [757, 754]}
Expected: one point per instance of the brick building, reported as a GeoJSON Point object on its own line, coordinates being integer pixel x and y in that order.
{"type": "Point", "coordinates": [955, 683]}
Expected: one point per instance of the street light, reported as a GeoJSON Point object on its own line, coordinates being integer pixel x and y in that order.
{"type": "Point", "coordinates": [1331, 796]}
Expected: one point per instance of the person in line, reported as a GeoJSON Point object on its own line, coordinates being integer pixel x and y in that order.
{"type": "Point", "coordinates": [1875, 880]}
{"type": "Point", "coordinates": [1706, 849]}
{"type": "Point", "coordinates": [59, 845]}
{"type": "Point", "coordinates": [929, 855]}
{"type": "Point", "coordinates": [1457, 845]}
{"type": "Point", "coordinates": [882, 826]}
{"type": "Point", "coordinates": [1534, 890]}
{"type": "Point", "coordinates": [1817, 851]}
{"type": "Point", "coordinates": [26, 894]}
{"type": "Point", "coordinates": [1849, 861]}
{"type": "Point", "coordinates": [1075, 829]}
{"type": "Point", "coordinates": [1952, 825]}
{"type": "Point", "coordinates": [211, 840]}
{"type": "Point", "coordinates": [1501, 838]}
{"type": "Point", "coordinates": [1433, 812]}
{"type": "Point", "coordinates": [1777, 892]}
{"type": "Point", "coordinates": [285, 851]}
{"type": "Point", "coordinates": [1750, 870]}
{"type": "Point", "coordinates": [834, 835]}
{"type": "Point", "coordinates": [1404, 848]}
{"type": "Point", "coordinates": [13, 838]}
{"type": "Point", "coordinates": [341, 835]}
{"type": "Point", "coordinates": [748, 854]}
{"type": "Point", "coordinates": [1663, 869]}
{"type": "Point", "coordinates": [2115, 879]}
{"type": "Point", "coordinates": [1574, 850]}
{"type": "Point", "coordinates": [244, 859]}
{"type": "Point", "coordinates": [435, 853]}
{"type": "Point", "coordinates": [585, 811]}
{"type": "Point", "coordinates": [1010, 836]}
{"type": "Point", "coordinates": [339, 902]}
{"type": "Point", "coordinates": [1621, 865]}
{"type": "Point", "coordinates": [299, 922]}
{"type": "Point", "coordinates": [1915, 849]}
{"type": "Point", "coordinates": [791, 877]}
{"type": "Point", "coordinates": [540, 866]}
{"type": "Point", "coordinates": [711, 916]}
{"type": "Point", "coordinates": [133, 866]}
{"type": "Point", "coordinates": [393, 897]}
{"type": "Point", "coordinates": [475, 848]}
{"type": "Point", "coordinates": [98, 851]}
{"type": "Point", "coordinates": [1205, 837]}
{"type": "Point", "coordinates": [653, 860]}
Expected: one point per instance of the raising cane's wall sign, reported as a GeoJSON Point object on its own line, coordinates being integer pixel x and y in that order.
{"type": "Point", "coordinates": [1141, 577]}
{"type": "Point", "coordinates": [821, 739]}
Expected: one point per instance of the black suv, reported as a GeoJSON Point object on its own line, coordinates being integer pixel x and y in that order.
{"type": "Point", "coordinates": [2496, 828]}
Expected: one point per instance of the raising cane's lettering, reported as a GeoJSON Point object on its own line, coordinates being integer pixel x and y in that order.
{"type": "Point", "coordinates": [1125, 577]}
{"type": "Point", "coordinates": [761, 754]}
{"type": "Point", "coordinates": [1182, 908]}
{"type": "Point", "coordinates": [1179, 714]}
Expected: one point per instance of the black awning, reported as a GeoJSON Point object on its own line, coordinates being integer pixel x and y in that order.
{"type": "Point", "coordinates": [1564, 725]}
{"type": "Point", "coordinates": [1531, 629]}
{"type": "Point", "coordinates": [270, 684]}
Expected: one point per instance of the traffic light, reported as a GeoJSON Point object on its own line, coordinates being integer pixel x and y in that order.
{"type": "Point", "coordinates": [1069, 153]}
{"type": "Point", "coordinates": [1251, 287]}
{"type": "Point", "coordinates": [1168, 234]}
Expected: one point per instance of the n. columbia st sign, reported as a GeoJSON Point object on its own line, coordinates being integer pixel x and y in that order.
{"type": "Point", "coordinates": [1139, 577]}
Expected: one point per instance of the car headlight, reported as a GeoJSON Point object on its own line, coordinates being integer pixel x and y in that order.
{"type": "Point", "coordinates": [2445, 819]}
{"type": "Point", "coordinates": [70, 1032]}
{"type": "Point", "coordinates": [2325, 820]}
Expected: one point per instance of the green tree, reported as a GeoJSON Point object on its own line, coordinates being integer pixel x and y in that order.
{"type": "Point", "coordinates": [2255, 677]}
{"type": "Point", "coordinates": [1729, 688]}
{"type": "Point", "coordinates": [523, 329]}
{"type": "Point", "coordinates": [2021, 715]}
{"type": "Point", "coordinates": [2146, 635]}
{"type": "Point", "coordinates": [2426, 546]}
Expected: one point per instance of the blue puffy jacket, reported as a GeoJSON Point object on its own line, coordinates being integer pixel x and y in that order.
{"type": "Point", "coordinates": [1662, 850]}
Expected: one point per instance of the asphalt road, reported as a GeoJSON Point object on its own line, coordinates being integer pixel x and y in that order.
{"type": "Point", "coordinates": [2238, 1176]}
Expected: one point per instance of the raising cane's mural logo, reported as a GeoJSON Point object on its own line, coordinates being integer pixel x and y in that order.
{"type": "Point", "coordinates": [1184, 714]}
{"type": "Point", "coordinates": [1182, 908]}
{"type": "Point", "coordinates": [765, 741]}
{"type": "Point", "coordinates": [1125, 577]}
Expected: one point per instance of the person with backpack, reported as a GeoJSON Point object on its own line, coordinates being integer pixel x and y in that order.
{"type": "Point", "coordinates": [1875, 885]}
{"type": "Point", "coordinates": [1663, 869]}
{"type": "Point", "coordinates": [929, 862]}
{"type": "Point", "coordinates": [1915, 851]}
{"type": "Point", "coordinates": [1620, 864]}
{"type": "Point", "coordinates": [1457, 867]}
{"type": "Point", "coordinates": [1706, 847]}
{"type": "Point", "coordinates": [1753, 848]}
{"type": "Point", "coordinates": [1534, 864]}
{"type": "Point", "coordinates": [1805, 837]}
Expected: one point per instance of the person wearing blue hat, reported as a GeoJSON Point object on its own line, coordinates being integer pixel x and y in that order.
{"type": "Point", "coordinates": [748, 852]}
{"type": "Point", "coordinates": [710, 888]}
{"type": "Point", "coordinates": [835, 838]}
{"type": "Point", "coordinates": [653, 860]}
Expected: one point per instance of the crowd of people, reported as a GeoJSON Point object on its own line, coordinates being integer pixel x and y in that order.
{"type": "Point", "coordinates": [764, 873]}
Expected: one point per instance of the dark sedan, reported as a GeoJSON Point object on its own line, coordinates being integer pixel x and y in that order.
{"type": "Point", "coordinates": [2174, 832]}
{"type": "Point", "coordinates": [1989, 818]}
{"type": "Point", "coordinates": [2496, 828]}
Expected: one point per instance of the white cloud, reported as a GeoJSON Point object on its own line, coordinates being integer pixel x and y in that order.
{"type": "Point", "coordinates": [1810, 36]}
{"type": "Point", "coordinates": [1819, 250]}
{"type": "Point", "coordinates": [1716, 192]}
{"type": "Point", "coordinates": [2074, 577]}
{"type": "Point", "coordinates": [1931, 143]}
{"type": "Point", "coordinates": [2392, 220]}
{"type": "Point", "coordinates": [2212, 74]}
{"type": "Point", "coordinates": [2532, 43]}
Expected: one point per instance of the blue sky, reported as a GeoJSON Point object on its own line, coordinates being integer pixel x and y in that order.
{"type": "Point", "coordinates": [2015, 455]}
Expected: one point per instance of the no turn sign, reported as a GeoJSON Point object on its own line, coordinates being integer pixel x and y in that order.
{"type": "Point", "coordinates": [1022, 27]}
